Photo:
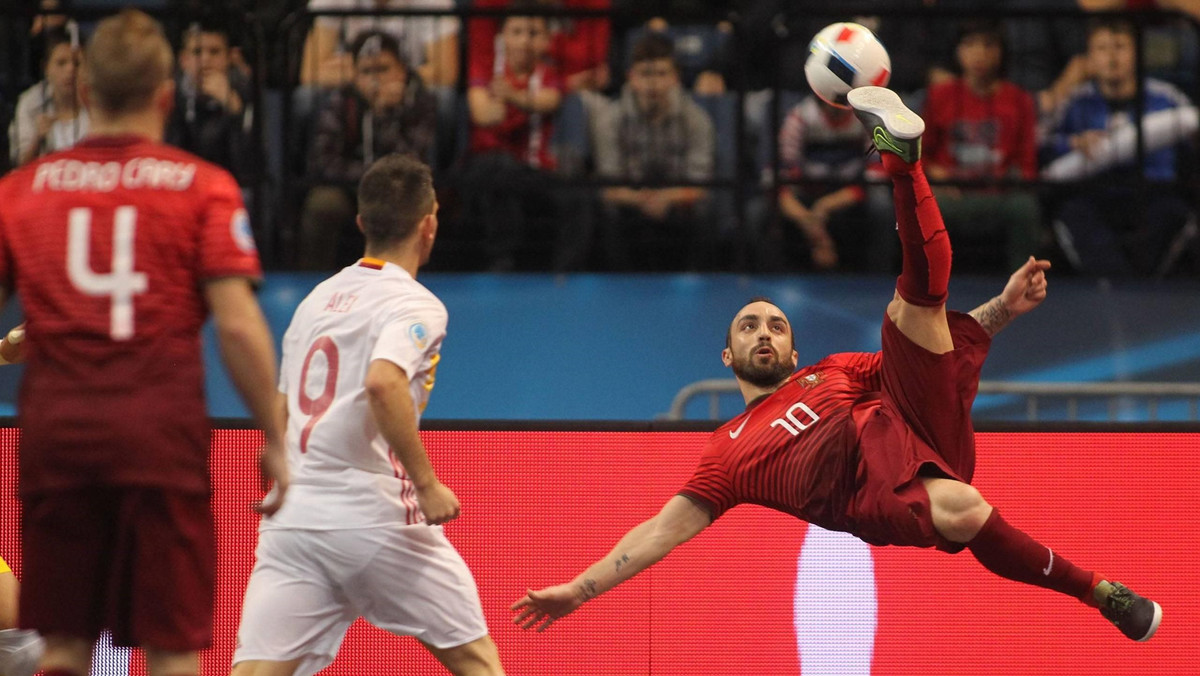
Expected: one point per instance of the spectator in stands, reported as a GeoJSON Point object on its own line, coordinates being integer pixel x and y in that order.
{"type": "Point", "coordinates": [507, 175]}
{"type": "Point", "coordinates": [702, 52]}
{"type": "Point", "coordinates": [1126, 218]}
{"type": "Point", "coordinates": [386, 110]}
{"type": "Point", "coordinates": [825, 215]}
{"type": "Point", "coordinates": [654, 134]}
{"type": "Point", "coordinates": [49, 115]}
{"type": "Point", "coordinates": [212, 101]}
{"type": "Point", "coordinates": [980, 127]}
{"type": "Point", "coordinates": [429, 44]}
{"type": "Point", "coordinates": [578, 45]}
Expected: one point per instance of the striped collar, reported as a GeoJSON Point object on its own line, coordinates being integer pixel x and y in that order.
{"type": "Point", "coordinates": [373, 263]}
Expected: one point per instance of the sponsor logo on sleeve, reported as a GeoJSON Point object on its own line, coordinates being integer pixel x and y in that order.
{"type": "Point", "coordinates": [419, 335]}
{"type": "Point", "coordinates": [239, 229]}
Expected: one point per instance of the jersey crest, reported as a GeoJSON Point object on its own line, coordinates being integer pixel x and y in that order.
{"type": "Point", "coordinates": [811, 380]}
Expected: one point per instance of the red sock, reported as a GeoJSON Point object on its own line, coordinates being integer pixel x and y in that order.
{"type": "Point", "coordinates": [925, 272]}
{"type": "Point", "coordinates": [1010, 553]}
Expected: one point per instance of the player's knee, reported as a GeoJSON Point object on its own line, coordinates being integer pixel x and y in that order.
{"type": "Point", "coordinates": [959, 511]}
{"type": "Point", "coordinates": [477, 658]}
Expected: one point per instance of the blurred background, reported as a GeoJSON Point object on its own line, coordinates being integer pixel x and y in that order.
{"type": "Point", "coordinates": [616, 179]}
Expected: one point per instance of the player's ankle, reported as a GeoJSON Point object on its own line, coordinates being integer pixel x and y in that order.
{"type": "Point", "coordinates": [1099, 591]}
{"type": "Point", "coordinates": [895, 165]}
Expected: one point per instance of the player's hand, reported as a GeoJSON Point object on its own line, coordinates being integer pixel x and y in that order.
{"type": "Point", "coordinates": [539, 609]}
{"type": "Point", "coordinates": [12, 346]}
{"type": "Point", "coordinates": [272, 461]}
{"type": "Point", "coordinates": [438, 503]}
{"type": "Point", "coordinates": [1026, 288]}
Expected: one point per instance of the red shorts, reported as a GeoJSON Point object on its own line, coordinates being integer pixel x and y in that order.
{"type": "Point", "coordinates": [921, 426]}
{"type": "Point", "coordinates": [138, 561]}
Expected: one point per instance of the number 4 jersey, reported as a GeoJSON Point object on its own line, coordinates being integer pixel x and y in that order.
{"type": "Point", "coordinates": [343, 473]}
{"type": "Point", "coordinates": [109, 245]}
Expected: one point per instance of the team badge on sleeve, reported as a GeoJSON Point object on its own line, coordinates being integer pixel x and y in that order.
{"type": "Point", "coordinates": [419, 335]}
{"type": "Point", "coordinates": [239, 229]}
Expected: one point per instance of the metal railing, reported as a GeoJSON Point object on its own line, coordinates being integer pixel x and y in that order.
{"type": "Point", "coordinates": [1035, 394]}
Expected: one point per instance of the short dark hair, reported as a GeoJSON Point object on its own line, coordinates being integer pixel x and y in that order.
{"type": "Point", "coordinates": [651, 47]}
{"type": "Point", "coordinates": [395, 193]}
{"type": "Point", "coordinates": [985, 28]}
{"type": "Point", "coordinates": [374, 42]}
{"type": "Point", "coordinates": [1112, 24]}
{"type": "Point", "coordinates": [52, 38]}
{"type": "Point", "coordinates": [756, 299]}
{"type": "Point", "coordinates": [527, 9]}
{"type": "Point", "coordinates": [213, 25]}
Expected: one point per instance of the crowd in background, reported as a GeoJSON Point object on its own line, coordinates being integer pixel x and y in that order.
{"type": "Point", "coordinates": [672, 135]}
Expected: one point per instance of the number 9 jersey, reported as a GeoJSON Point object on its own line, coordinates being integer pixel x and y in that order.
{"type": "Point", "coordinates": [343, 475]}
{"type": "Point", "coordinates": [109, 245]}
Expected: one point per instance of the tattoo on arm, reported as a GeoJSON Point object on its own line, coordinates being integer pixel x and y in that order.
{"type": "Point", "coordinates": [992, 316]}
{"type": "Point", "coordinates": [622, 561]}
{"type": "Point", "coordinates": [587, 590]}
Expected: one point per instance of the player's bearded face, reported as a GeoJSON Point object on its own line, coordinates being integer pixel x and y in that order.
{"type": "Point", "coordinates": [760, 349]}
{"type": "Point", "coordinates": [763, 364]}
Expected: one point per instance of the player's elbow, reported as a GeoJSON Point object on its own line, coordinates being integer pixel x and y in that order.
{"type": "Point", "coordinates": [235, 335]}
{"type": "Point", "coordinates": [384, 381]}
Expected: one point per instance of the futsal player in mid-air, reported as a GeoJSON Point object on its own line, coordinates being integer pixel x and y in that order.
{"type": "Point", "coordinates": [879, 445]}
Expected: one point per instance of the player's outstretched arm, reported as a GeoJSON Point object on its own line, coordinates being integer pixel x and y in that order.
{"type": "Point", "coordinates": [395, 415]}
{"type": "Point", "coordinates": [643, 546]}
{"type": "Point", "coordinates": [1025, 290]}
{"type": "Point", "coordinates": [249, 355]}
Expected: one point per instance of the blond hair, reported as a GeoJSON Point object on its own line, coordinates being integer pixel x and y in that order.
{"type": "Point", "coordinates": [126, 62]}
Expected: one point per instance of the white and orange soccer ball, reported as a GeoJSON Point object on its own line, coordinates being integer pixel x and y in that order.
{"type": "Point", "coordinates": [843, 56]}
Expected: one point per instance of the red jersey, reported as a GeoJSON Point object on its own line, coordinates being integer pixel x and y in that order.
{"type": "Point", "coordinates": [794, 450]}
{"type": "Point", "coordinates": [109, 245]}
{"type": "Point", "coordinates": [981, 137]}
{"type": "Point", "coordinates": [522, 134]}
{"type": "Point", "coordinates": [576, 43]}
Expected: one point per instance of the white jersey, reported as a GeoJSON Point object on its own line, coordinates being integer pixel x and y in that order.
{"type": "Point", "coordinates": [342, 472]}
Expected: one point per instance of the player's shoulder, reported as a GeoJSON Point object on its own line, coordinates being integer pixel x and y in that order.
{"type": "Point", "coordinates": [402, 288]}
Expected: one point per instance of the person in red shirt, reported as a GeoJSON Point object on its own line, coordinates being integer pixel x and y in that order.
{"type": "Point", "coordinates": [879, 445]}
{"type": "Point", "coordinates": [509, 164]}
{"type": "Point", "coordinates": [120, 248]}
{"type": "Point", "coordinates": [578, 44]}
{"type": "Point", "coordinates": [981, 128]}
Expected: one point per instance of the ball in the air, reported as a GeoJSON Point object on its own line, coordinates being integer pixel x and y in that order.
{"type": "Point", "coordinates": [843, 56]}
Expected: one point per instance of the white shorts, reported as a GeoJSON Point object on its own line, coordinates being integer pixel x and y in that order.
{"type": "Point", "coordinates": [308, 586]}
